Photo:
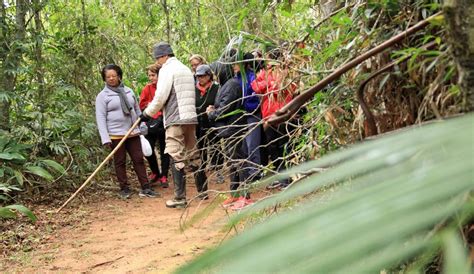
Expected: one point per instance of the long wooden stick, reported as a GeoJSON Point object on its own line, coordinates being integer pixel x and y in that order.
{"type": "Point", "coordinates": [101, 164]}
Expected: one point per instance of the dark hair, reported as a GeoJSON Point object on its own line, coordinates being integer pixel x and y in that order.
{"type": "Point", "coordinates": [274, 54]}
{"type": "Point", "coordinates": [250, 62]}
{"type": "Point", "coordinates": [111, 67]}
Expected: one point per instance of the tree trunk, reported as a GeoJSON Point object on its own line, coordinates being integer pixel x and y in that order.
{"type": "Point", "coordinates": [12, 59]}
{"type": "Point", "coordinates": [168, 23]}
{"type": "Point", "coordinates": [5, 102]}
{"type": "Point", "coordinates": [459, 15]}
{"type": "Point", "coordinates": [39, 69]}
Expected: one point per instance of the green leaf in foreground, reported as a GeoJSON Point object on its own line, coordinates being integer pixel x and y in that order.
{"type": "Point", "coordinates": [387, 195]}
{"type": "Point", "coordinates": [456, 259]}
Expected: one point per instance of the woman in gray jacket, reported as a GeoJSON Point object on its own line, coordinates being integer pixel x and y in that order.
{"type": "Point", "coordinates": [116, 111]}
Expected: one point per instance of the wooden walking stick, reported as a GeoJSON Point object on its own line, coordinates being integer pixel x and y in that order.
{"type": "Point", "coordinates": [101, 164]}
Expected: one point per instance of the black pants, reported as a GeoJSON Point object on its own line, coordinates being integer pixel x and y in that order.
{"type": "Point", "coordinates": [277, 138]}
{"type": "Point", "coordinates": [236, 151]}
{"type": "Point", "coordinates": [153, 137]}
{"type": "Point", "coordinates": [209, 146]}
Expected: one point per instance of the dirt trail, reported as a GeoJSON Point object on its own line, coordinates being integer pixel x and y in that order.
{"type": "Point", "coordinates": [137, 235]}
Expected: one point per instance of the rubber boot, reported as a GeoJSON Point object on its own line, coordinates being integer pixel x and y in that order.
{"type": "Point", "coordinates": [179, 178]}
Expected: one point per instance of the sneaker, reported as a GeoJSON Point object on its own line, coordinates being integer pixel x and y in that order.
{"type": "Point", "coordinates": [229, 201]}
{"type": "Point", "coordinates": [164, 182]}
{"type": "Point", "coordinates": [148, 192]}
{"type": "Point", "coordinates": [274, 185]}
{"type": "Point", "coordinates": [241, 203]}
{"type": "Point", "coordinates": [203, 196]}
{"type": "Point", "coordinates": [153, 178]}
{"type": "Point", "coordinates": [125, 193]}
{"type": "Point", "coordinates": [176, 203]}
{"type": "Point", "coordinates": [220, 178]}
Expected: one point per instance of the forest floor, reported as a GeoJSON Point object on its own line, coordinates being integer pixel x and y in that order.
{"type": "Point", "coordinates": [107, 234]}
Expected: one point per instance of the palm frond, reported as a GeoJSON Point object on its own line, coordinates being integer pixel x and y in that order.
{"type": "Point", "coordinates": [388, 197]}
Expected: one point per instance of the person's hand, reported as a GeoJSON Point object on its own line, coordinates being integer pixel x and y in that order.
{"type": "Point", "coordinates": [108, 146]}
{"type": "Point", "coordinates": [143, 129]}
{"type": "Point", "coordinates": [144, 117]}
{"type": "Point", "coordinates": [210, 108]}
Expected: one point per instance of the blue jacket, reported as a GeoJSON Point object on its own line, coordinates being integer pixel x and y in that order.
{"type": "Point", "coordinates": [251, 101]}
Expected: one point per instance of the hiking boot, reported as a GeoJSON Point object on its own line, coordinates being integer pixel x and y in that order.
{"type": "Point", "coordinates": [153, 178]}
{"type": "Point", "coordinates": [148, 192]}
{"type": "Point", "coordinates": [125, 193]}
{"type": "Point", "coordinates": [230, 201]}
{"type": "Point", "coordinates": [203, 196]}
{"type": "Point", "coordinates": [241, 203]}
{"type": "Point", "coordinates": [176, 203]}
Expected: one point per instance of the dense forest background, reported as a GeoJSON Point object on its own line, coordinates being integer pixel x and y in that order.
{"type": "Point", "coordinates": [51, 54]}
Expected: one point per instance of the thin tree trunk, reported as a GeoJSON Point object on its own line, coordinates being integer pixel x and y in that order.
{"type": "Point", "coordinates": [168, 23]}
{"type": "Point", "coordinates": [39, 69]}
{"type": "Point", "coordinates": [12, 60]}
{"type": "Point", "coordinates": [85, 30]}
{"type": "Point", "coordinates": [4, 104]}
{"type": "Point", "coordinates": [459, 15]}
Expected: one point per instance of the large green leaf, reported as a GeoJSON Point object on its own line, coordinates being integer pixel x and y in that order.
{"type": "Point", "coordinates": [456, 259]}
{"type": "Point", "coordinates": [39, 171]}
{"type": "Point", "coordinates": [385, 196]}
{"type": "Point", "coordinates": [54, 165]}
{"type": "Point", "coordinates": [11, 156]}
{"type": "Point", "coordinates": [18, 177]}
{"type": "Point", "coordinates": [8, 212]}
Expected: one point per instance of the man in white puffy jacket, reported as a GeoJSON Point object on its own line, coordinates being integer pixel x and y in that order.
{"type": "Point", "coordinates": [175, 95]}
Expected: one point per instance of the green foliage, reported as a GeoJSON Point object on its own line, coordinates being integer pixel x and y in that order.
{"type": "Point", "coordinates": [18, 166]}
{"type": "Point", "coordinates": [390, 204]}
{"type": "Point", "coordinates": [456, 257]}
{"type": "Point", "coordinates": [10, 212]}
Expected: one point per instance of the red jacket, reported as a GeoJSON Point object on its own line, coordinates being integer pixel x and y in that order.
{"type": "Point", "coordinates": [148, 92]}
{"type": "Point", "coordinates": [273, 99]}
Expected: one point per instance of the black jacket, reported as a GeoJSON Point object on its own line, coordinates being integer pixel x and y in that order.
{"type": "Point", "coordinates": [202, 102]}
{"type": "Point", "coordinates": [228, 99]}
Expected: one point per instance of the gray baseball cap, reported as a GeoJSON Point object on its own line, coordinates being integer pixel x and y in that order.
{"type": "Point", "coordinates": [203, 70]}
{"type": "Point", "coordinates": [162, 49]}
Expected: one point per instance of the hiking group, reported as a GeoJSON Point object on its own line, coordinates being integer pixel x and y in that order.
{"type": "Point", "coordinates": [200, 119]}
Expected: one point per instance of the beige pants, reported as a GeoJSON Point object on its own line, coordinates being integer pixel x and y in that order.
{"type": "Point", "coordinates": [181, 145]}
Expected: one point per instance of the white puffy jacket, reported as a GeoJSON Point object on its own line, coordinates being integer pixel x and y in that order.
{"type": "Point", "coordinates": [175, 94]}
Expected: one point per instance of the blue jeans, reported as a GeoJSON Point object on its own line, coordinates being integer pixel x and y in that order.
{"type": "Point", "coordinates": [253, 141]}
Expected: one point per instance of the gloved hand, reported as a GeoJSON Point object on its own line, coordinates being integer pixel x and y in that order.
{"type": "Point", "coordinates": [144, 117]}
